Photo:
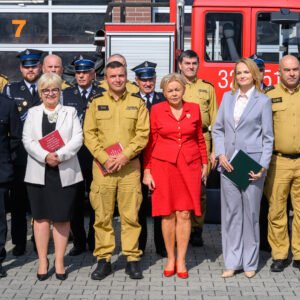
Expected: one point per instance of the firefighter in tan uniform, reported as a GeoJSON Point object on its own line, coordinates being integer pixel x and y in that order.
{"type": "Point", "coordinates": [203, 93]}
{"type": "Point", "coordinates": [284, 172]}
{"type": "Point", "coordinates": [3, 82]}
{"type": "Point", "coordinates": [130, 86]}
{"type": "Point", "coordinates": [116, 116]}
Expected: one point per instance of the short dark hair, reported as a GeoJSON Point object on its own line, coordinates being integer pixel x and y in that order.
{"type": "Point", "coordinates": [114, 65]}
{"type": "Point", "coordinates": [188, 54]}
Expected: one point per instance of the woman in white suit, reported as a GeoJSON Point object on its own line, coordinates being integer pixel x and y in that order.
{"type": "Point", "coordinates": [51, 177]}
{"type": "Point", "coordinates": [244, 122]}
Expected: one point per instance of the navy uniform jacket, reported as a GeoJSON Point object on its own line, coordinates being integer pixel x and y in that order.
{"type": "Point", "coordinates": [10, 137]}
{"type": "Point", "coordinates": [157, 98]}
{"type": "Point", "coordinates": [72, 97]}
{"type": "Point", "coordinates": [19, 92]}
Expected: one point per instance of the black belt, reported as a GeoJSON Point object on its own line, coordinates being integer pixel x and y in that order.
{"type": "Point", "coordinates": [204, 130]}
{"type": "Point", "coordinates": [291, 156]}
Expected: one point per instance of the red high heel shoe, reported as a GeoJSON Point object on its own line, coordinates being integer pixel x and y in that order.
{"type": "Point", "coordinates": [169, 273]}
{"type": "Point", "coordinates": [183, 275]}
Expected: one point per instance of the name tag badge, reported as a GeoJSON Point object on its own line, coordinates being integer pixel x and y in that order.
{"type": "Point", "coordinates": [103, 107]}
{"type": "Point", "coordinates": [131, 108]}
{"type": "Point", "coordinates": [277, 100]}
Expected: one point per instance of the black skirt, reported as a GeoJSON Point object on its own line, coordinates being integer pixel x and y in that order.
{"type": "Point", "coordinates": [51, 201]}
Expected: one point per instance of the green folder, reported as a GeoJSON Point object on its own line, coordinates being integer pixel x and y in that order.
{"type": "Point", "coordinates": [242, 164]}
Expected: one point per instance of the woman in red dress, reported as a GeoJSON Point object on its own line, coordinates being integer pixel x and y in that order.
{"type": "Point", "coordinates": [175, 164]}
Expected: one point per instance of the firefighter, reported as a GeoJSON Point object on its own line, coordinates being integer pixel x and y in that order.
{"type": "Point", "coordinates": [130, 87]}
{"type": "Point", "coordinates": [201, 92]}
{"type": "Point", "coordinates": [145, 77]}
{"type": "Point", "coordinates": [3, 82]}
{"type": "Point", "coordinates": [79, 96]}
{"type": "Point", "coordinates": [25, 95]}
{"type": "Point", "coordinates": [120, 120]}
{"type": "Point", "coordinates": [53, 63]}
{"type": "Point", "coordinates": [283, 176]}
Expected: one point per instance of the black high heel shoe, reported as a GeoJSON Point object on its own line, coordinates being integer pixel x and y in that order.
{"type": "Point", "coordinates": [42, 277]}
{"type": "Point", "coordinates": [62, 276]}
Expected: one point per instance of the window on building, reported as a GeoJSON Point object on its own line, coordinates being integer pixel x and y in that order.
{"type": "Point", "coordinates": [223, 36]}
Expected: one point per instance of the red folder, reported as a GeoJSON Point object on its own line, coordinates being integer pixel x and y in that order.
{"type": "Point", "coordinates": [52, 141]}
{"type": "Point", "coordinates": [114, 149]}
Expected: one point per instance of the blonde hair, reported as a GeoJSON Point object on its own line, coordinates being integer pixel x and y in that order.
{"type": "Point", "coordinates": [170, 78]}
{"type": "Point", "coordinates": [251, 65]}
{"type": "Point", "coordinates": [49, 80]}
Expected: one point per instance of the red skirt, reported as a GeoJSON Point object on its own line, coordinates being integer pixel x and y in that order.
{"type": "Point", "coordinates": [178, 186]}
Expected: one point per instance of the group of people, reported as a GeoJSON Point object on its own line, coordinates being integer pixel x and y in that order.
{"type": "Point", "coordinates": [119, 140]}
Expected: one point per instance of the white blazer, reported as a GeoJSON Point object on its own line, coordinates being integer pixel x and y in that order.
{"type": "Point", "coordinates": [70, 130]}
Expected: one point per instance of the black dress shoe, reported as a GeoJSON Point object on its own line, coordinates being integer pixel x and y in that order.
{"type": "Point", "coordinates": [76, 251]}
{"type": "Point", "coordinates": [279, 265]}
{"type": "Point", "coordinates": [296, 263]}
{"type": "Point", "coordinates": [18, 251]}
{"type": "Point", "coordinates": [102, 270]}
{"type": "Point", "coordinates": [133, 269]}
{"type": "Point", "coordinates": [42, 277]}
{"type": "Point", "coordinates": [161, 252]}
{"type": "Point", "coordinates": [2, 271]}
{"type": "Point", "coordinates": [62, 276]}
{"type": "Point", "coordinates": [196, 238]}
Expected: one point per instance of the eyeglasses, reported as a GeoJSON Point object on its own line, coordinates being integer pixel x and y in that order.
{"type": "Point", "coordinates": [47, 92]}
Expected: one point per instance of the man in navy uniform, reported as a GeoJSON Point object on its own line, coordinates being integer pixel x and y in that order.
{"type": "Point", "coordinates": [79, 97]}
{"type": "Point", "coordinates": [10, 140]}
{"type": "Point", "coordinates": [24, 94]}
{"type": "Point", "coordinates": [145, 77]}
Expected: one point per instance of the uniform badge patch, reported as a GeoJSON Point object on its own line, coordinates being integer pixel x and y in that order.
{"type": "Point", "coordinates": [202, 91]}
{"type": "Point", "coordinates": [277, 100]}
{"type": "Point", "coordinates": [103, 107]}
{"type": "Point", "coordinates": [131, 108]}
{"type": "Point", "coordinates": [23, 88]}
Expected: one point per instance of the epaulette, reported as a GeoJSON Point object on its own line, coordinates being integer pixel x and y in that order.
{"type": "Point", "coordinates": [3, 76]}
{"type": "Point", "coordinates": [136, 95]}
{"type": "Point", "coordinates": [95, 96]}
{"type": "Point", "coordinates": [208, 82]}
{"type": "Point", "coordinates": [68, 84]}
{"type": "Point", "coordinates": [269, 88]}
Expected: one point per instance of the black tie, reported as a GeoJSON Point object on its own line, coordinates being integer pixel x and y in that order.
{"type": "Point", "coordinates": [148, 103]}
{"type": "Point", "coordinates": [83, 94]}
{"type": "Point", "coordinates": [33, 92]}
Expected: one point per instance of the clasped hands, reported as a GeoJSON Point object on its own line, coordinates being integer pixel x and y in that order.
{"type": "Point", "coordinates": [223, 162]}
{"type": "Point", "coordinates": [116, 162]}
{"type": "Point", "coordinates": [52, 159]}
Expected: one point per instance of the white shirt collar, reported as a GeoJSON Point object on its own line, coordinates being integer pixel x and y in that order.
{"type": "Point", "coordinates": [248, 94]}
{"type": "Point", "coordinates": [88, 90]}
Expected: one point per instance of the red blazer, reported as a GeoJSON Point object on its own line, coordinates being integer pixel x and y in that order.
{"type": "Point", "coordinates": [168, 136]}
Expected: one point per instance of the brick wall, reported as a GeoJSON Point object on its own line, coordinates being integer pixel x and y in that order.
{"type": "Point", "coordinates": [134, 14]}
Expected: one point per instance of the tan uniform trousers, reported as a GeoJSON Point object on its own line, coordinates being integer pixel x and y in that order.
{"type": "Point", "coordinates": [283, 179]}
{"type": "Point", "coordinates": [125, 186]}
{"type": "Point", "coordinates": [198, 221]}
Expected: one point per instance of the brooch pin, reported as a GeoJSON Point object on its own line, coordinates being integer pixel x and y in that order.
{"type": "Point", "coordinates": [188, 115]}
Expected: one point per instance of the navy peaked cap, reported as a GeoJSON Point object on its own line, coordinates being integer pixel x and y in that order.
{"type": "Point", "coordinates": [30, 57]}
{"type": "Point", "coordinates": [84, 63]}
{"type": "Point", "coordinates": [145, 70]}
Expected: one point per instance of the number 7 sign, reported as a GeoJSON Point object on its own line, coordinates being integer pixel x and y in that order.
{"type": "Point", "coordinates": [20, 24]}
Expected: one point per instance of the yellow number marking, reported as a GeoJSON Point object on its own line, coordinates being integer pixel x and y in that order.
{"type": "Point", "coordinates": [21, 24]}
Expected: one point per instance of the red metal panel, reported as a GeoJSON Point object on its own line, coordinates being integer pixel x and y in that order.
{"type": "Point", "coordinates": [139, 27]}
{"type": "Point", "coordinates": [248, 3]}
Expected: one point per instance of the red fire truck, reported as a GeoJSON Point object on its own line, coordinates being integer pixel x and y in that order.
{"type": "Point", "coordinates": [222, 31]}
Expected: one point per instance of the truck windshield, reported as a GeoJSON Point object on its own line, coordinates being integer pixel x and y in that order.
{"type": "Point", "coordinates": [223, 36]}
{"type": "Point", "coordinates": [273, 40]}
